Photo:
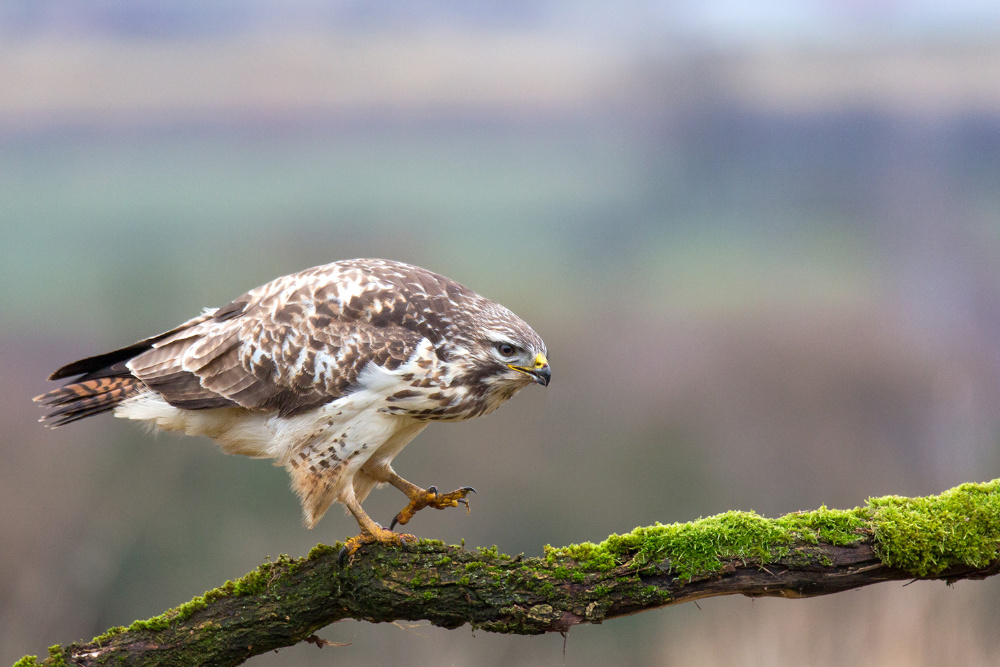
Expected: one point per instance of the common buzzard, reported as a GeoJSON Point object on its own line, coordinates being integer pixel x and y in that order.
{"type": "Point", "coordinates": [330, 372]}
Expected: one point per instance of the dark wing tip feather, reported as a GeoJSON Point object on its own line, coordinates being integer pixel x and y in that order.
{"type": "Point", "coordinates": [101, 362]}
{"type": "Point", "coordinates": [113, 363]}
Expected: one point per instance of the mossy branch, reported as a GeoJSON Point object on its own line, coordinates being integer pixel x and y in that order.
{"type": "Point", "coordinates": [955, 535]}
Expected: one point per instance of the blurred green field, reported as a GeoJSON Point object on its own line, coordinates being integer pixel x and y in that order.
{"type": "Point", "coordinates": [113, 215]}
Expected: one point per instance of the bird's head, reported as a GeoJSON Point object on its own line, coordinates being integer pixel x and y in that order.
{"type": "Point", "coordinates": [489, 352]}
{"type": "Point", "coordinates": [520, 363]}
{"type": "Point", "coordinates": [507, 354]}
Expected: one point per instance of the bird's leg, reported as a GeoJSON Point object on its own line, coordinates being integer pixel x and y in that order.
{"type": "Point", "coordinates": [421, 498]}
{"type": "Point", "coordinates": [371, 532]}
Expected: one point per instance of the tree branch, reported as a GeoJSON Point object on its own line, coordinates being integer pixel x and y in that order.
{"type": "Point", "coordinates": [955, 535]}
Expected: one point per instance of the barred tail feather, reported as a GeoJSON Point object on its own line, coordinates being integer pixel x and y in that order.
{"type": "Point", "coordinates": [87, 397]}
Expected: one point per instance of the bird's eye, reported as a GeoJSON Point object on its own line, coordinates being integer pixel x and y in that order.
{"type": "Point", "coordinates": [506, 349]}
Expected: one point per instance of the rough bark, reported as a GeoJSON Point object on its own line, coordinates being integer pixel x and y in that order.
{"type": "Point", "coordinates": [285, 602]}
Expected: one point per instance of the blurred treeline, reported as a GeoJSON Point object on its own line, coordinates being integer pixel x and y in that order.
{"type": "Point", "coordinates": [767, 270]}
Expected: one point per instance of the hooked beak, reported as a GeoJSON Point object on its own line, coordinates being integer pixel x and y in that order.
{"type": "Point", "coordinates": [539, 370]}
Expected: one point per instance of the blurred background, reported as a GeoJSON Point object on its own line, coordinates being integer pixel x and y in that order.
{"type": "Point", "coordinates": [761, 239]}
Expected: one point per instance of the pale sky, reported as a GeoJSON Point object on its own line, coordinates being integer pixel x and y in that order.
{"type": "Point", "coordinates": [694, 22]}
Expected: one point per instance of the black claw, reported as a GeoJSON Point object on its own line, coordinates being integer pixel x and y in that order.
{"type": "Point", "coordinates": [433, 489]}
{"type": "Point", "coordinates": [342, 556]}
{"type": "Point", "coordinates": [468, 488]}
{"type": "Point", "coordinates": [395, 520]}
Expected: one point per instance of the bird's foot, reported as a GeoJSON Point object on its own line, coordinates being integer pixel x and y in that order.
{"type": "Point", "coordinates": [431, 498]}
{"type": "Point", "coordinates": [378, 535]}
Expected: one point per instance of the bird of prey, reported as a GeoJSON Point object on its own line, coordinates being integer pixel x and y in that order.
{"type": "Point", "coordinates": [330, 372]}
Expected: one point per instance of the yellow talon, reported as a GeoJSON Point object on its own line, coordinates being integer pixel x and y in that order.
{"type": "Point", "coordinates": [431, 498]}
{"type": "Point", "coordinates": [379, 535]}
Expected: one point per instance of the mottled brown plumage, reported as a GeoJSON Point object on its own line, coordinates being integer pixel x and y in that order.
{"type": "Point", "coordinates": [330, 371]}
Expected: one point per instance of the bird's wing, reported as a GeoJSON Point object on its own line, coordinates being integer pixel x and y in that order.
{"type": "Point", "coordinates": [291, 345]}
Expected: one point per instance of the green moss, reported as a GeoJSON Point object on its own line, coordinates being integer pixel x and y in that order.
{"type": "Point", "coordinates": [155, 624]}
{"type": "Point", "coordinates": [109, 635]}
{"type": "Point", "coordinates": [27, 661]}
{"type": "Point", "coordinates": [56, 656]}
{"type": "Point", "coordinates": [594, 557]}
{"type": "Point", "coordinates": [321, 550]}
{"type": "Point", "coordinates": [425, 545]}
{"type": "Point", "coordinates": [926, 536]}
{"type": "Point", "coordinates": [491, 552]}
{"type": "Point", "coordinates": [256, 582]}
{"type": "Point", "coordinates": [700, 547]}
{"type": "Point", "coordinates": [837, 527]}
{"type": "Point", "coordinates": [601, 590]}
{"type": "Point", "coordinates": [569, 573]}
{"type": "Point", "coordinates": [807, 557]}
{"type": "Point", "coordinates": [654, 595]}
{"type": "Point", "coordinates": [175, 615]}
{"type": "Point", "coordinates": [444, 560]}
